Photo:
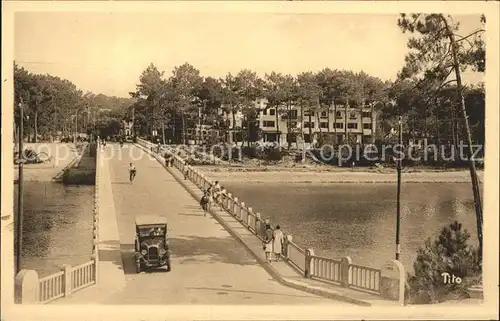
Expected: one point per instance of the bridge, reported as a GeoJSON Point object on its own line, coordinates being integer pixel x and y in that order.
{"type": "Point", "coordinates": [217, 259]}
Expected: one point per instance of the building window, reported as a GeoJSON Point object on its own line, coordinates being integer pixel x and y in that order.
{"type": "Point", "coordinates": [338, 114]}
{"type": "Point", "coordinates": [293, 124]}
{"type": "Point", "coordinates": [309, 113]}
{"type": "Point", "coordinates": [308, 125]}
{"type": "Point", "coordinates": [307, 138]}
{"type": "Point", "coordinates": [270, 137]}
{"type": "Point", "coordinates": [324, 114]}
{"type": "Point", "coordinates": [352, 125]}
{"type": "Point", "coordinates": [272, 112]}
{"type": "Point", "coordinates": [264, 112]}
{"type": "Point", "coordinates": [293, 114]}
{"type": "Point", "coordinates": [352, 115]}
{"type": "Point", "coordinates": [339, 125]}
{"type": "Point", "coordinates": [323, 125]}
{"type": "Point", "coordinates": [268, 123]}
{"type": "Point", "coordinates": [367, 126]}
{"type": "Point", "coordinates": [367, 114]}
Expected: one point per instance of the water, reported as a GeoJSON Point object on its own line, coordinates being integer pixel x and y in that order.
{"type": "Point", "coordinates": [57, 225]}
{"type": "Point", "coordinates": [359, 220]}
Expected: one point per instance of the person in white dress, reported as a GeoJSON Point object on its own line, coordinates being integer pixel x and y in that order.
{"type": "Point", "coordinates": [278, 239]}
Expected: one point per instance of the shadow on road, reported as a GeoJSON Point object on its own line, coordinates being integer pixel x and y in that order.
{"type": "Point", "coordinates": [108, 252]}
{"type": "Point", "coordinates": [217, 249]}
{"type": "Point", "coordinates": [192, 250]}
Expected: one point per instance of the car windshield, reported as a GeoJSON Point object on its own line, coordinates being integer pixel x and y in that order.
{"type": "Point", "coordinates": [151, 231]}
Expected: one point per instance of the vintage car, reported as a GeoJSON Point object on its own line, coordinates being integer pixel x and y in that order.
{"type": "Point", "coordinates": [151, 243]}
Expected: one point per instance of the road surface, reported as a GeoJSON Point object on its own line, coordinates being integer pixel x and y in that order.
{"type": "Point", "coordinates": [208, 265]}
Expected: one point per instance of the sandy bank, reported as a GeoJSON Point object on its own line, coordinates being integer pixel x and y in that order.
{"type": "Point", "coordinates": [60, 156]}
{"type": "Point", "coordinates": [338, 176]}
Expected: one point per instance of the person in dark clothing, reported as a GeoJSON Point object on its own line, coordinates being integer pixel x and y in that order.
{"type": "Point", "coordinates": [205, 203]}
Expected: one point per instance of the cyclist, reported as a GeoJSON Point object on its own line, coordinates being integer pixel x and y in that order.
{"type": "Point", "coordinates": [132, 171]}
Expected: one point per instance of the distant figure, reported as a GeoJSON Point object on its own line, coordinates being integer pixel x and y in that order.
{"type": "Point", "coordinates": [267, 223]}
{"type": "Point", "coordinates": [216, 191]}
{"type": "Point", "coordinates": [167, 159]}
{"type": "Point", "coordinates": [132, 172]}
{"type": "Point", "coordinates": [205, 203]}
{"type": "Point", "coordinates": [278, 240]}
{"type": "Point", "coordinates": [186, 169]}
{"type": "Point", "coordinates": [268, 245]}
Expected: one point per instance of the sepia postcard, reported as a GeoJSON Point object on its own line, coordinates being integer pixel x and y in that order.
{"type": "Point", "coordinates": [243, 160]}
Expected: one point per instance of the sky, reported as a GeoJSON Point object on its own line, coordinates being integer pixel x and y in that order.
{"type": "Point", "coordinates": [106, 52]}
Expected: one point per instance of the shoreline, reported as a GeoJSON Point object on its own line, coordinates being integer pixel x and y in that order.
{"type": "Point", "coordinates": [58, 161]}
{"type": "Point", "coordinates": [338, 176]}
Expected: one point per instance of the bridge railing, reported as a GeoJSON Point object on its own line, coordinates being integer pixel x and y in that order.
{"type": "Point", "coordinates": [29, 288]}
{"type": "Point", "coordinates": [340, 271]}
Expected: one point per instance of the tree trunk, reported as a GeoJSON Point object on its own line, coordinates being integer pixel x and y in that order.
{"type": "Point", "coordinates": [437, 130]}
{"type": "Point", "coordinates": [472, 163]}
{"type": "Point", "coordinates": [335, 122]}
{"type": "Point", "coordinates": [36, 125]}
{"type": "Point", "coordinates": [372, 131]}
{"type": "Point", "coordinates": [346, 134]}
{"type": "Point", "coordinates": [310, 129]}
{"type": "Point", "coordinates": [233, 131]}
{"type": "Point", "coordinates": [362, 127]}
{"type": "Point", "coordinates": [277, 126]}
{"type": "Point", "coordinates": [302, 131]}
{"type": "Point", "coordinates": [289, 125]}
{"type": "Point", "coordinates": [163, 131]}
{"type": "Point", "coordinates": [328, 122]}
{"type": "Point", "coordinates": [320, 140]}
{"type": "Point", "coordinates": [183, 128]}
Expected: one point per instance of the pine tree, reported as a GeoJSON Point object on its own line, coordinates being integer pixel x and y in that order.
{"type": "Point", "coordinates": [451, 253]}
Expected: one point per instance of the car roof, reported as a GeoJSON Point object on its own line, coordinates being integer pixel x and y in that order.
{"type": "Point", "coordinates": [150, 220]}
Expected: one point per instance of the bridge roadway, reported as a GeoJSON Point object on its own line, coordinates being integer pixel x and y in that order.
{"type": "Point", "coordinates": [208, 265]}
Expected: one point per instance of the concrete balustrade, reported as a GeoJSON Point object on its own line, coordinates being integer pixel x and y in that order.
{"type": "Point", "coordinates": [387, 281]}
{"type": "Point", "coordinates": [243, 213]}
{"type": "Point", "coordinates": [251, 220]}
{"type": "Point", "coordinates": [30, 289]}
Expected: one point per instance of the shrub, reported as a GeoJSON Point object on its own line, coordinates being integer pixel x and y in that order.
{"type": "Point", "coordinates": [273, 153]}
{"type": "Point", "coordinates": [448, 253]}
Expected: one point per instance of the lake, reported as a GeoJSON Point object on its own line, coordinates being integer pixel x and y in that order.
{"type": "Point", "coordinates": [57, 225]}
{"type": "Point", "coordinates": [359, 220]}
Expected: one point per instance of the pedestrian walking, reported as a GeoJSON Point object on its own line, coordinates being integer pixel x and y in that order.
{"type": "Point", "coordinates": [186, 169]}
{"type": "Point", "coordinates": [167, 159]}
{"type": "Point", "coordinates": [268, 245]}
{"type": "Point", "coordinates": [216, 192]}
{"type": "Point", "coordinates": [205, 203]}
{"type": "Point", "coordinates": [278, 240]}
